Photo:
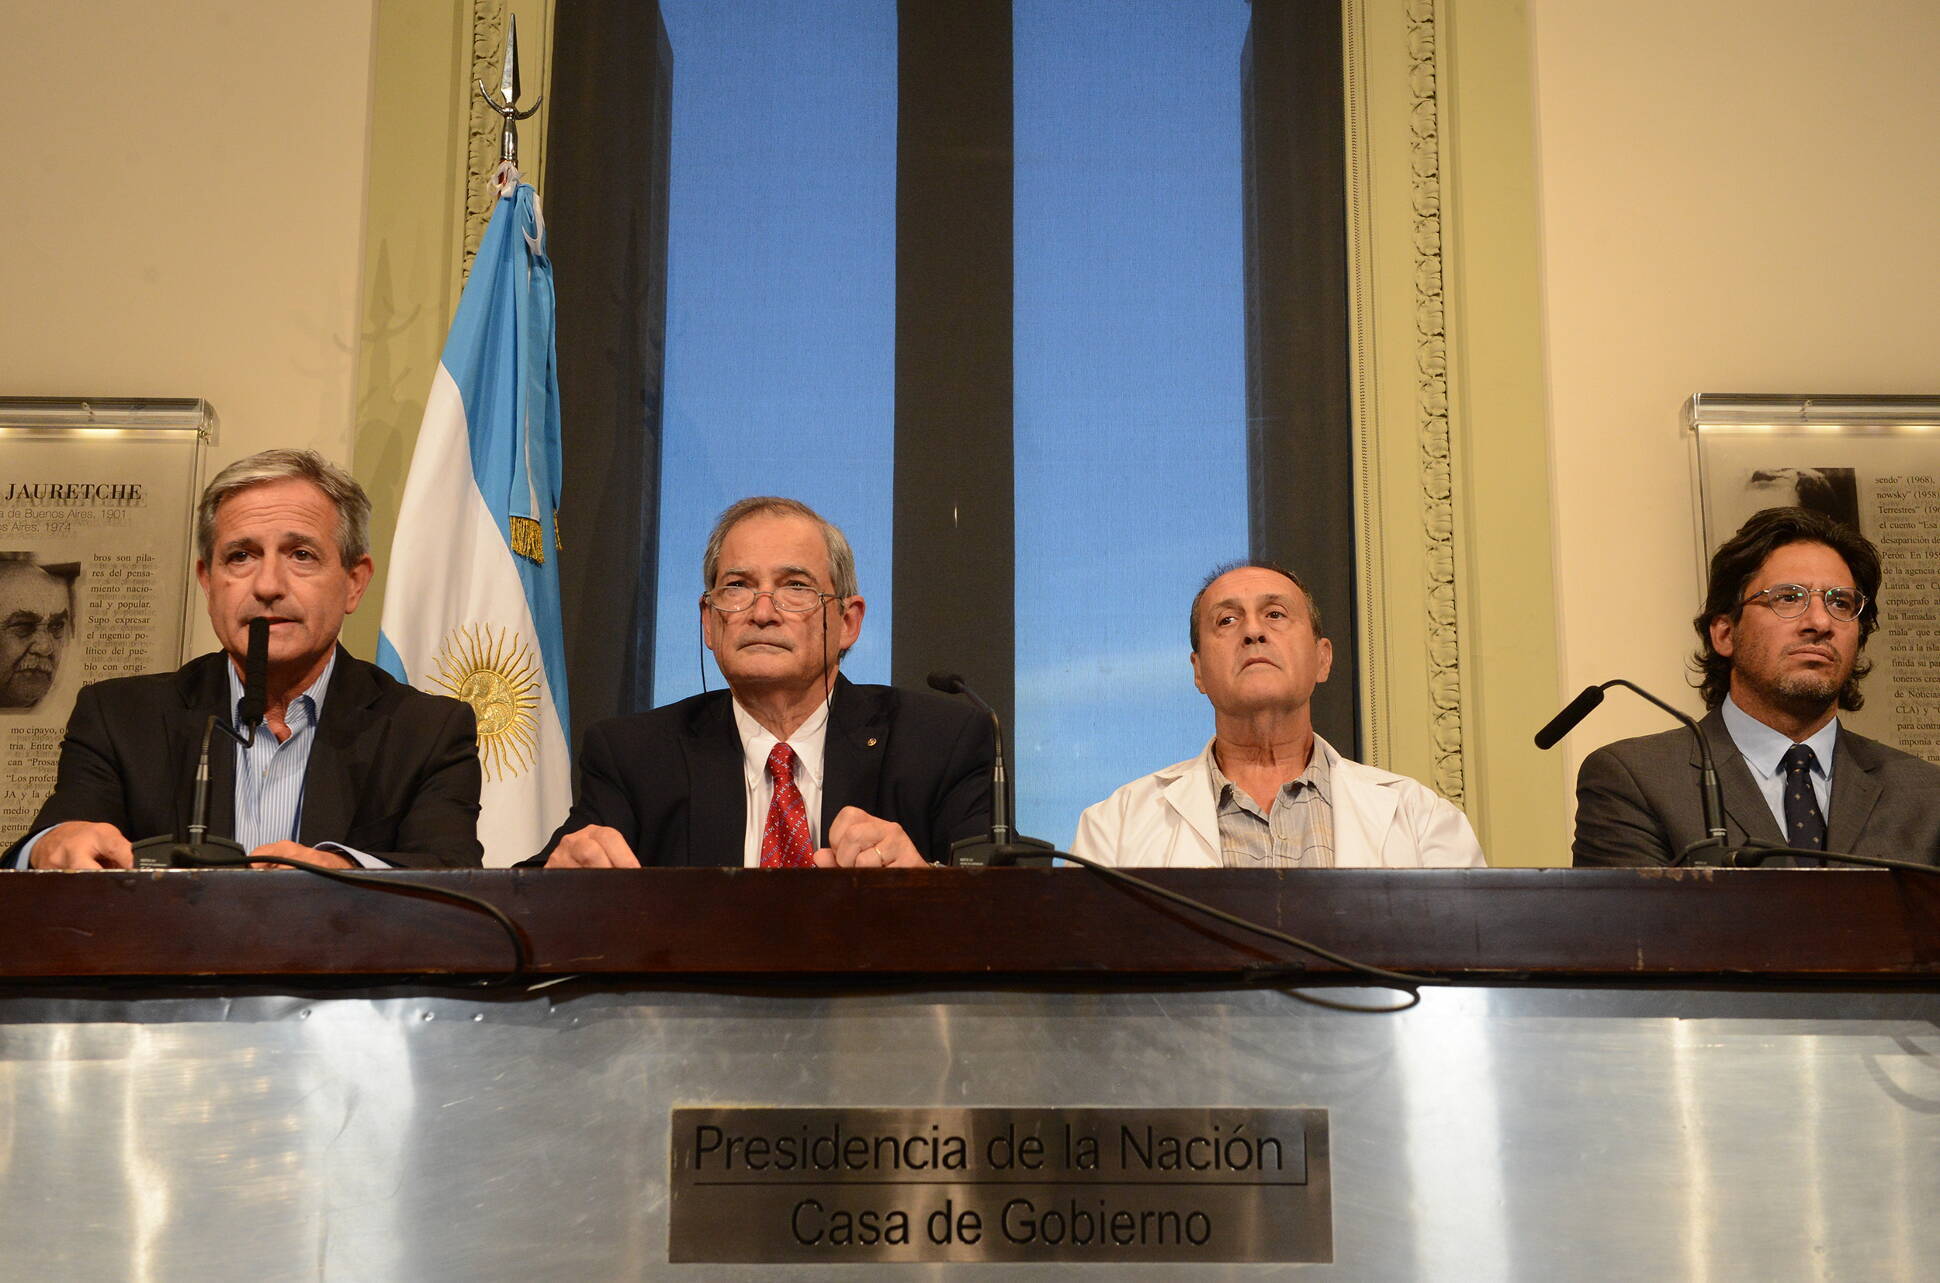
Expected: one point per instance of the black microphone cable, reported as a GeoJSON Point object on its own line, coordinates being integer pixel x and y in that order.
{"type": "Point", "coordinates": [1754, 852]}
{"type": "Point", "coordinates": [1404, 981]}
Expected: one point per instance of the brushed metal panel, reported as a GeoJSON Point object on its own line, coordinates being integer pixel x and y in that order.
{"type": "Point", "coordinates": [1489, 1133]}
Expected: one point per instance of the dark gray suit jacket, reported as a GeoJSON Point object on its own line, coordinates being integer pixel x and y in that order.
{"type": "Point", "coordinates": [1638, 800]}
{"type": "Point", "coordinates": [393, 773]}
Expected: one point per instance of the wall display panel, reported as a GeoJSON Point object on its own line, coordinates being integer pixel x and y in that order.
{"type": "Point", "coordinates": [780, 293]}
{"type": "Point", "coordinates": [1130, 369]}
{"type": "Point", "coordinates": [97, 504]}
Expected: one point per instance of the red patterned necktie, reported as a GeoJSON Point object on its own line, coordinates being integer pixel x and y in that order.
{"type": "Point", "coordinates": [784, 841]}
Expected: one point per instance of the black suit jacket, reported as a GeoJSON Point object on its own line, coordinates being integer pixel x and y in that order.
{"type": "Point", "coordinates": [670, 780]}
{"type": "Point", "coordinates": [1638, 800]}
{"type": "Point", "coordinates": [394, 772]}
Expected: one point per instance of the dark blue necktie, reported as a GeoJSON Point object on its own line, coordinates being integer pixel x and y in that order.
{"type": "Point", "coordinates": [1804, 822]}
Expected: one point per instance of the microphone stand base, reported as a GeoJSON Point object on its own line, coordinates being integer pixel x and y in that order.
{"type": "Point", "coordinates": [167, 852]}
{"type": "Point", "coordinates": [982, 853]}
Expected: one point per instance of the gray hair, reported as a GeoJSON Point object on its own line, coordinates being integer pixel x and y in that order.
{"type": "Point", "coordinates": [266, 466]}
{"type": "Point", "coordinates": [841, 556]}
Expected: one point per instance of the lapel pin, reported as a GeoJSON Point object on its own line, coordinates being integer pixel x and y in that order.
{"type": "Point", "coordinates": [872, 741]}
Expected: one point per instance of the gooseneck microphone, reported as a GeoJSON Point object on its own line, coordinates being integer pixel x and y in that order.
{"type": "Point", "coordinates": [953, 684]}
{"type": "Point", "coordinates": [1565, 722]}
{"type": "Point", "coordinates": [1003, 845]}
{"type": "Point", "coordinates": [194, 848]}
{"type": "Point", "coordinates": [1749, 854]}
{"type": "Point", "coordinates": [1713, 798]}
{"type": "Point", "coordinates": [255, 698]}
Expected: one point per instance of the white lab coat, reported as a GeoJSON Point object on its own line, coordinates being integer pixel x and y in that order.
{"type": "Point", "coordinates": [1170, 819]}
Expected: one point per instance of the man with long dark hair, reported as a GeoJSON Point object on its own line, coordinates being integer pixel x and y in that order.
{"type": "Point", "coordinates": [1792, 598]}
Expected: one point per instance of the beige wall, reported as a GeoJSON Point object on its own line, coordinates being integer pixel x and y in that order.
{"type": "Point", "coordinates": [185, 210]}
{"type": "Point", "coordinates": [1737, 196]}
{"type": "Point", "coordinates": [260, 204]}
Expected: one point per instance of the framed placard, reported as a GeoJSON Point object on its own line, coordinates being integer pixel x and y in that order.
{"type": "Point", "coordinates": [97, 502]}
{"type": "Point", "coordinates": [859, 1187]}
{"type": "Point", "coordinates": [1872, 462]}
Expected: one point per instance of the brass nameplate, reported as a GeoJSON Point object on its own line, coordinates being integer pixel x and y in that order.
{"type": "Point", "coordinates": [899, 1185]}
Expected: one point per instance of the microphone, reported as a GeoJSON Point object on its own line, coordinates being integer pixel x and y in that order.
{"type": "Point", "coordinates": [1565, 722]}
{"type": "Point", "coordinates": [953, 684]}
{"type": "Point", "coordinates": [195, 849]}
{"type": "Point", "coordinates": [255, 698]}
{"type": "Point", "coordinates": [1580, 707]}
{"type": "Point", "coordinates": [1003, 845]}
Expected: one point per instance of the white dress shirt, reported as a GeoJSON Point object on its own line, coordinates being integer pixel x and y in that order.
{"type": "Point", "coordinates": [756, 744]}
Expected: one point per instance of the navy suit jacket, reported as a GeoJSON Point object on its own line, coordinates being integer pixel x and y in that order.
{"type": "Point", "coordinates": [670, 780]}
{"type": "Point", "coordinates": [394, 772]}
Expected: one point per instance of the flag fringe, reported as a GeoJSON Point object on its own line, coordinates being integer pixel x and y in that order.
{"type": "Point", "coordinates": [528, 538]}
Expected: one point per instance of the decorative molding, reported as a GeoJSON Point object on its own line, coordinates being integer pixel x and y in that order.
{"type": "Point", "coordinates": [1370, 540]}
{"type": "Point", "coordinates": [1432, 403]}
{"type": "Point", "coordinates": [484, 126]}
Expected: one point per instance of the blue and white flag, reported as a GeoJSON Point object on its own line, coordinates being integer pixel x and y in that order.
{"type": "Point", "coordinates": [472, 605]}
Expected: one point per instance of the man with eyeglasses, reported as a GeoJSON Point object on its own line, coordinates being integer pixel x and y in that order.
{"type": "Point", "coordinates": [1791, 600]}
{"type": "Point", "coordinates": [793, 765]}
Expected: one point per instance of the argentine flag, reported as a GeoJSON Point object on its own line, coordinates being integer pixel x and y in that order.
{"type": "Point", "coordinates": [472, 606]}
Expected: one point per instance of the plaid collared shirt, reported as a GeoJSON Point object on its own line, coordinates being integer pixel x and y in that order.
{"type": "Point", "coordinates": [1297, 834]}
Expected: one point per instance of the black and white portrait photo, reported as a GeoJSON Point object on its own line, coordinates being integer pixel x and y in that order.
{"type": "Point", "coordinates": [36, 622]}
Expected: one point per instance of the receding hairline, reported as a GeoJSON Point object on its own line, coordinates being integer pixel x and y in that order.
{"type": "Point", "coordinates": [1234, 600]}
{"type": "Point", "coordinates": [836, 549]}
{"type": "Point", "coordinates": [325, 536]}
{"type": "Point", "coordinates": [269, 467]}
{"type": "Point", "coordinates": [1295, 591]}
{"type": "Point", "coordinates": [790, 568]}
{"type": "Point", "coordinates": [816, 536]}
{"type": "Point", "coordinates": [1202, 597]}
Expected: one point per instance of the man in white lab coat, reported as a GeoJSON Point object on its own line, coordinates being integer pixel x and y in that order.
{"type": "Point", "coordinates": [1267, 792]}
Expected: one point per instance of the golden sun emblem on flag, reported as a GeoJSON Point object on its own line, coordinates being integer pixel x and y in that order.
{"type": "Point", "coordinates": [498, 675]}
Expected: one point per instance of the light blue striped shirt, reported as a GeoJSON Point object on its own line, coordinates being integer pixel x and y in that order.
{"type": "Point", "coordinates": [269, 774]}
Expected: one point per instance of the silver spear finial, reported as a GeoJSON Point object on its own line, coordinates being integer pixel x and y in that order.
{"type": "Point", "coordinates": [507, 102]}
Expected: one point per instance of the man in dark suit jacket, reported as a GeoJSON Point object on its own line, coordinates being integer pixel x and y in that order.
{"type": "Point", "coordinates": [348, 768]}
{"type": "Point", "coordinates": [792, 764]}
{"type": "Point", "coordinates": [1637, 800]}
{"type": "Point", "coordinates": [1791, 601]}
{"type": "Point", "coordinates": [393, 773]}
{"type": "Point", "coordinates": [669, 782]}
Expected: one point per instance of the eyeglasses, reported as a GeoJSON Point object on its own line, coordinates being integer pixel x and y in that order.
{"type": "Point", "coordinates": [1789, 601]}
{"type": "Point", "coordinates": [796, 599]}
